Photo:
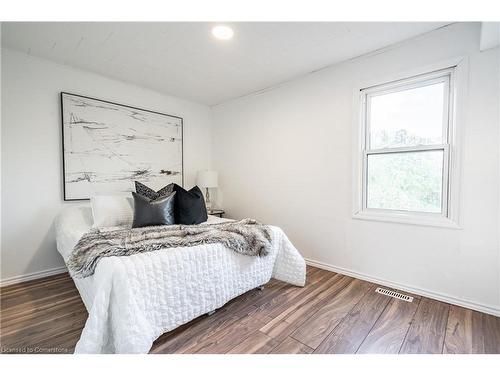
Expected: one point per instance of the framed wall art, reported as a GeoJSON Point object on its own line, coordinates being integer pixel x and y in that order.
{"type": "Point", "coordinates": [107, 146]}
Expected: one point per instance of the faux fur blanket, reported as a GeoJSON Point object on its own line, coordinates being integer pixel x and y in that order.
{"type": "Point", "coordinates": [247, 237]}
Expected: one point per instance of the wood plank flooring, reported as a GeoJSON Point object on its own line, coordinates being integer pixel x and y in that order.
{"type": "Point", "coordinates": [331, 314]}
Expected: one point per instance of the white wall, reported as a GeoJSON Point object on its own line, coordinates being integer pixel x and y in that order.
{"type": "Point", "coordinates": [31, 150]}
{"type": "Point", "coordinates": [285, 157]}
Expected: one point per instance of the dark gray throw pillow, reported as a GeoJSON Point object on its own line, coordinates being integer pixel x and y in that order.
{"type": "Point", "coordinates": [150, 193]}
{"type": "Point", "coordinates": [153, 212]}
{"type": "Point", "coordinates": [189, 206]}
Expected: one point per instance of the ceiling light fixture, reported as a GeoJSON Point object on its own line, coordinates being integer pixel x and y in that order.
{"type": "Point", "coordinates": [222, 32]}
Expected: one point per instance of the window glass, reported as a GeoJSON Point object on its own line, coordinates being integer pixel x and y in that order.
{"type": "Point", "coordinates": [407, 181]}
{"type": "Point", "coordinates": [407, 118]}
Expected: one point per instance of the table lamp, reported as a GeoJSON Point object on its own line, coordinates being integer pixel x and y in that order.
{"type": "Point", "coordinates": [207, 180]}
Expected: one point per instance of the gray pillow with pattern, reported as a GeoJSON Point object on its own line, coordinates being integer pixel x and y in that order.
{"type": "Point", "coordinates": [150, 193]}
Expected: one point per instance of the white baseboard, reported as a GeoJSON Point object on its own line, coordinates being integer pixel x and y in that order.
{"type": "Point", "coordinates": [426, 293]}
{"type": "Point", "coordinates": [492, 310]}
{"type": "Point", "coordinates": [32, 276]}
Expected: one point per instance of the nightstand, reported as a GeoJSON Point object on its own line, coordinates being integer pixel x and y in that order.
{"type": "Point", "coordinates": [216, 212]}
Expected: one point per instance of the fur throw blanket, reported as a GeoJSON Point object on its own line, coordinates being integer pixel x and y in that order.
{"type": "Point", "coordinates": [247, 237]}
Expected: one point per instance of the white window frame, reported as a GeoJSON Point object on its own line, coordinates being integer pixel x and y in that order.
{"type": "Point", "coordinates": [453, 74]}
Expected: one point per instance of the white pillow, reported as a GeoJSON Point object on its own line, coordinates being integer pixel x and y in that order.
{"type": "Point", "coordinates": [112, 210]}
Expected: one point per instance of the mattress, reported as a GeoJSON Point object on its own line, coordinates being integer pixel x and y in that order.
{"type": "Point", "coordinates": [134, 299]}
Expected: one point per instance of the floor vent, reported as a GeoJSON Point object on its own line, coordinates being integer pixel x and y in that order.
{"type": "Point", "coordinates": [394, 294]}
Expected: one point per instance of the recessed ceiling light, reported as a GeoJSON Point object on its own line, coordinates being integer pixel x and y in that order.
{"type": "Point", "coordinates": [222, 32]}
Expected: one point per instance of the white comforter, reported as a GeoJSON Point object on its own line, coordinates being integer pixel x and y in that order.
{"type": "Point", "coordinates": [133, 300]}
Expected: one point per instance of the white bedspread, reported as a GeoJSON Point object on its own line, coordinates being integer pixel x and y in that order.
{"type": "Point", "coordinates": [133, 300]}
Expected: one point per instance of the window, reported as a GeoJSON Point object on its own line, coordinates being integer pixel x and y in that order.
{"type": "Point", "coordinates": [405, 147]}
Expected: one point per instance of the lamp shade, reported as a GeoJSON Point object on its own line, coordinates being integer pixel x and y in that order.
{"type": "Point", "coordinates": [207, 179]}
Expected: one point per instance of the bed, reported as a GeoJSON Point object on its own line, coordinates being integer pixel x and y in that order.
{"type": "Point", "coordinates": [132, 300]}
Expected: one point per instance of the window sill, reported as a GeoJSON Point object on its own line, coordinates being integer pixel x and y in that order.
{"type": "Point", "coordinates": [407, 219]}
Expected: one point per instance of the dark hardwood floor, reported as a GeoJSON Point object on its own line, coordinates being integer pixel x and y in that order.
{"type": "Point", "coordinates": [331, 314]}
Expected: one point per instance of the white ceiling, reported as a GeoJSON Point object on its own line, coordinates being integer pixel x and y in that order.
{"type": "Point", "coordinates": [184, 60]}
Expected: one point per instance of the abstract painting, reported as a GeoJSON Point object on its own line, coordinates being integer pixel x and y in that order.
{"type": "Point", "coordinates": [108, 146]}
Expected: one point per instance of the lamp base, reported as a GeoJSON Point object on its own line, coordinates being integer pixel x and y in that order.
{"type": "Point", "coordinates": [208, 203]}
